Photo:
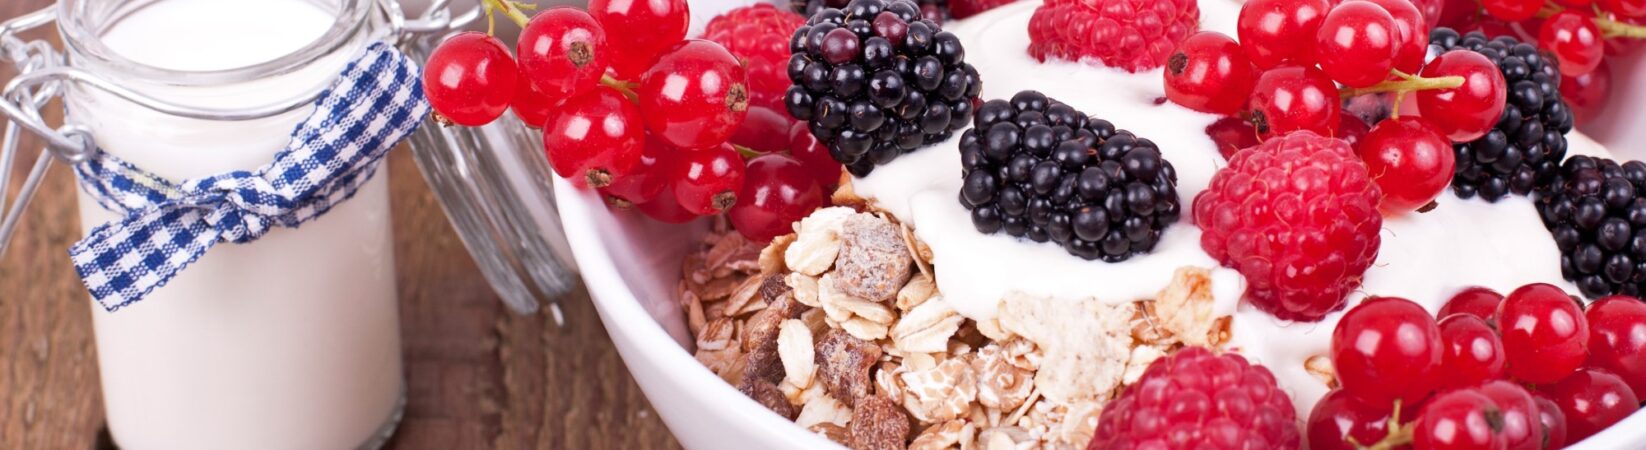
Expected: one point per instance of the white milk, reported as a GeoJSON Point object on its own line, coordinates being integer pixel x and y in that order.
{"type": "Point", "coordinates": [289, 342]}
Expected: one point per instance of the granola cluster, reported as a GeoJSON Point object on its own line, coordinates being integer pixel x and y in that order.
{"type": "Point", "coordinates": [840, 328]}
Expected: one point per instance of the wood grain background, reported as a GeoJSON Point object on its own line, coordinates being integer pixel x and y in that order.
{"type": "Point", "coordinates": [477, 376]}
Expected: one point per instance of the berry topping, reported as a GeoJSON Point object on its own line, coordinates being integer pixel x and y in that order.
{"type": "Point", "coordinates": [1596, 211]}
{"type": "Point", "coordinates": [707, 180]}
{"type": "Point", "coordinates": [1466, 112]}
{"type": "Point", "coordinates": [1292, 98]}
{"type": "Point", "coordinates": [470, 79]}
{"type": "Point", "coordinates": [1592, 400]}
{"type": "Point", "coordinates": [1552, 420]}
{"type": "Point", "coordinates": [595, 137]}
{"type": "Point", "coordinates": [1411, 32]}
{"type": "Point", "coordinates": [759, 36]}
{"type": "Point", "coordinates": [1617, 338]}
{"type": "Point", "coordinates": [530, 104]}
{"type": "Point", "coordinates": [1131, 35]}
{"type": "Point", "coordinates": [1388, 349]}
{"type": "Point", "coordinates": [1471, 352]}
{"type": "Point", "coordinates": [1525, 146]}
{"type": "Point", "coordinates": [695, 95]}
{"type": "Point", "coordinates": [1275, 32]}
{"type": "Point", "coordinates": [1545, 335]}
{"type": "Point", "coordinates": [664, 23]}
{"type": "Point", "coordinates": [646, 180]}
{"type": "Point", "coordinates": [777, 191]}
{"type": "Point", "coordinates": [1037, 168]}
{"type": "Point", "coordinates": [1461, 419]}
{"type": "Point", "coordinates": [1300, 260]}
{"type": "Point", "coordinates": [563, 52]}
{"type": "Point", "coordinates": [1339, 418]}
{"type": "Point", "coordinates": [1475, 301]}
{"type": "Point", "coordinates": [1209, 73]}
{"type": "Point", "coordinates": [1521, 430]}
{"type": "Point", "coordinates": [1357, 43]}
{"type": "Point", "coordinates": [1574, 39]}
{"type": "Point", "coordinates": [1194, 399]}
{"type": "Point", "coordinates": [1410, 160]}
{"type": "Point", "coordinates": [874, 82]}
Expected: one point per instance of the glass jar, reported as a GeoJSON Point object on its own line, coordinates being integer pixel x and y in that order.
{"type": "Point", "coordinates": [289, 341]}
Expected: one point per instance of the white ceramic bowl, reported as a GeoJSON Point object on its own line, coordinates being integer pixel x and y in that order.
{"type": "Point", "coordinates": [631, 266]}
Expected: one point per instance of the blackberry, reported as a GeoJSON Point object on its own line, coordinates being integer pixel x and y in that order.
{"type": "Point", "coordinates": [874, 81]}
{"type": "Point", "coordinates": [936, 10]}
{"type": "Point", "coordinates": [1596, 210]}
{"type": "Point", "coordinates": [1037, 168]}
{"type": "Point", "coordinates": [1526, 147]}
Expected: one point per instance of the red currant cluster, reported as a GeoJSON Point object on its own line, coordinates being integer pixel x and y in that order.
{"type": "Point", "coordinates": [1577, 33]}
{"type": "Point", "coordinates": [1283, 76]}
{"type": "Point", "coordinates": [652, 119]}
{"type": "Point", "coordinates": [1530, 371]}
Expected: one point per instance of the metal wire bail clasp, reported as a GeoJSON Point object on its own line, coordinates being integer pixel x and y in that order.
{"type": "Point", "coordinates": [43, 73]}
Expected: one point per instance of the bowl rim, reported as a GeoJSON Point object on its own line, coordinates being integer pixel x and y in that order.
{"type": "Point", "coordinates": [621, 312]}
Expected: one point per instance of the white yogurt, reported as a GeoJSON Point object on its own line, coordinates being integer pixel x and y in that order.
{"type": "Point", "coordinates": [1424, 257]}
{"type": "Point", "coordinates": [288, 342]}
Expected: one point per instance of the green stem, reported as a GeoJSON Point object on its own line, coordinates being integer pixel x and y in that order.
{"type": "Point", "coordinates": [622, 87]}
{"type": "Point", "coordinates": [510, 9]}
{"type": "Point", "coordinates": [748, 153]}
{"type": "Point", "coordinates": [1405, 85]}
{"type": "Point", "coordinates": [1398, 435]}
{"type": "Point", "coordinates": [1612, 28]}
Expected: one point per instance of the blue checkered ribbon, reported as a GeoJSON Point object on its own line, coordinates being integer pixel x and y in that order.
{"type": "Point", "coordinates": [377, 101]}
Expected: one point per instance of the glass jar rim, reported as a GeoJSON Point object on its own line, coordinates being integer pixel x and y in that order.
{"type": "Point", "coordinates": [82, 35]}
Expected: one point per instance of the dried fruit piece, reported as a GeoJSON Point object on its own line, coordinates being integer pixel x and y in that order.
{"type": "Point", "coordinates": [843, 362]}
{"type": "Point", "coordinates": [768, 395]}
{"type": "Point", "coordinates": [874, 262]}
{"type": "Point", "coordinates": [878, 424]}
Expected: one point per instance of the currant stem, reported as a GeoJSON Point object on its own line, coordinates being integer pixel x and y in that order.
{"type": "Point", "coordinates": [509, 8]}
{"type": "Point", "coordinates": [1398, 436]}
{"type": "Point", "coordinates": [747, 153]}
{"type": "Point", "coordinates": [1410, 84]}
{"type": "Point", "coordinates": [1612, 28]}
{"type": "Point", "coordinates": [622, 87]}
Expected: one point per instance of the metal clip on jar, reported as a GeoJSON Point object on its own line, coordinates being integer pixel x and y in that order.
{"type": "Point", "coordinates": [291, 341]}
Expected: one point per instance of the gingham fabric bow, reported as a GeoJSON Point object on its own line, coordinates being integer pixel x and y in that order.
{"type": "Point", "coordinates": [377, 101]}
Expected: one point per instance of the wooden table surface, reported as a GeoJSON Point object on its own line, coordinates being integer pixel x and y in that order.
{"type": "Point", "coordinates": [477, 375]}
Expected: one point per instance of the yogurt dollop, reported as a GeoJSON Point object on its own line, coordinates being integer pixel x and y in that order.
{"type": "Point", "coordinates": [1424, 257]}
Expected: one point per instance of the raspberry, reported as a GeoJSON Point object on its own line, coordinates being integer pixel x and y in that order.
{"type": "Point", "coordinates": [759, 36]}
{"type": "Point", "coordinates": [1134, 35]}
{"type": "Point", "coordinates": [961, 9]}
{"type": "Point", "coordinates": [1297, 216]}
{"type": "Point", "coordinates": [1193, 399]}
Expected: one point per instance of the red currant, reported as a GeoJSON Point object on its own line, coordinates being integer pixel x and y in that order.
{"type": "Point", "coordinates": [1625, 8]}
{"type": "Point", "coordinates": [530, 104]}
{"type": "Point", "coordinates": [1457, 420]}
{"type": "Point", "coordinates": [1387, 349]}
{"type": "Point", "coordinates": [764, 130]}
{"type": "Point", "coordinates": [1575, 3]}
{"type": "Point", "coordinates": [666, 209]}
{"type": "Point", "coordinates": [1512, 10]}
{"type": "Point", "coordinates": [776, 193]}
{"type": "Point", "coordinates": [564, 51]}
{"type": "Point", "coordinates": [658, 163]}
{"type": "Point", "coordinates": [1231, 134]}
{"type": "Point", "coordinates": [708, 179]}
{"type": "Point", "coordinates": [470, 79]}
{"type": "Point", "coordinates": [1551, 420]}
{"type": "Point", "coordinates": [1339, 417]}
{"type": "Point", "coordinates": [1475, 301]}
{"type": "Point", "coordinates": [1545, 335]}
{"type": "Point", "coordinates": [1467, 112]}
{"type": "Point", "coordinates": [1587, 94]}
{"type": "Point", "coordinates": [694, 96]}
{"type": "Point", "coordinates": [1274, 32]}
{"type": "Point", "coordinates": [1457, 14]}
{"type": "Point", "coordinates": [1521, 429]}
{"type": "Point", "coordinates": [1574, 40]}
{"type": "Point", "coordinates": [596, 136]}
{"type": "Point", "coordinates": [1617, 338]}
{"type": "Point", "coordinates": [1210, 73]}
{"type": "Point", "coordinates": [1292, 98]}
{"type": "Point", "coordinates": [1411, 33]}
{"type": "Point", "coordinates": [1410, 160]}
{"type": "Point", "coordinates": [645, 29]}
{"type": "Point", "coordinates": [1472, 353]}
{"type": "Point", "coordinates": [1351, 129]}
{"type": "Point", "coordinates": [1356, 44]}
{"type": "Point", "coordinates": [1592, 400]}
{"type": "Point", "coordinates": [813, 156]}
